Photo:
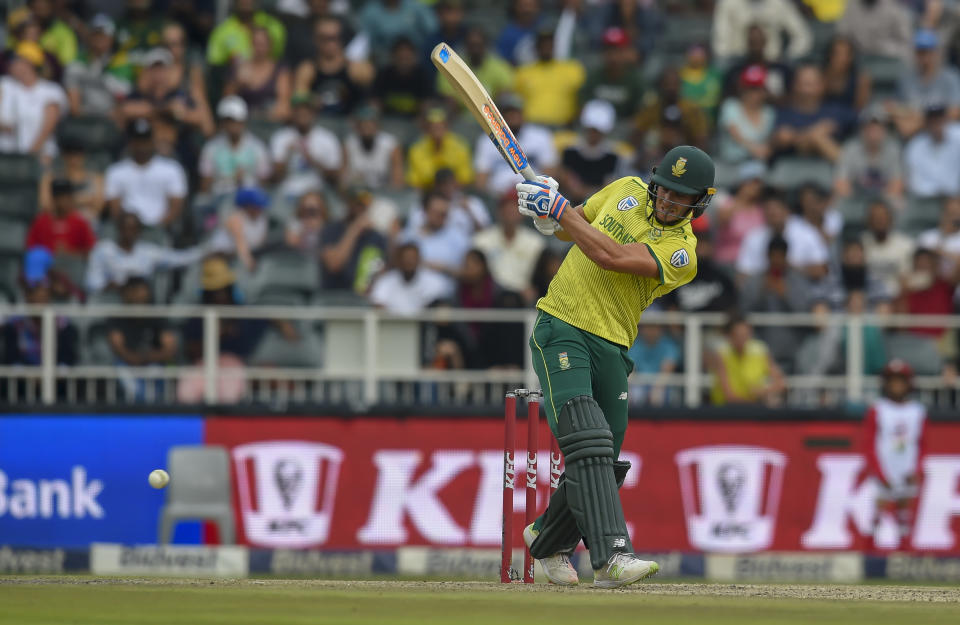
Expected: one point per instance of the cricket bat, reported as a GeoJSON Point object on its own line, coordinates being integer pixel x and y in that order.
{"type": "Point", "coordinates": [478, 102]}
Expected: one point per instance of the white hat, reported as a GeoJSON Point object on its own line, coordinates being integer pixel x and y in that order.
{"type": "Point", "coordinates": [157, 56]}
{"type": "Point", "coordinates": [599, 115]}
{"type": "Point", "coordinates": [232, 107]}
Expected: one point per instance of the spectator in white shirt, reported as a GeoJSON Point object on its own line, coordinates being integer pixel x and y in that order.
{"type": "Point", "coordinates": [493, 174]}
{"type": "Point", "coordinates": [806, 249]}
{"type": "Point", "coordinates": [732, 19]}
{"type": "Point", "coordinates": [441, 243]}
{"type": "Point", "coordinates": [932, 157]}
{"type": "Point", "coordinates": [889, 253]}
{"type": "Point", "coordinates": [234, 157]}
{"type": "Point", "coordinates": [306, 157]}
{"type": "Point", "coordinates": [410, 287]}
{"type": "Point", "coordinates": [151, 186]}
{"type": "Point", "coordinates": [467, 212]}
{"type": "Point", "coordinates": [373, 157]}
{"type": "Point", "coordinates": [30, 106]}
{"type": "Point", "coordinates": [112, 263]}
{"type": "Point", "coordinates": [945, 238]}
{"type": "Point", "coordinates": [511, 249]}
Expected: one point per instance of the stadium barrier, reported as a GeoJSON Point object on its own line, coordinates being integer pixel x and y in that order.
{"type": "Point", "coordinates": [368, 357]}
{"type": "Point", "coordinates": [731, 485]}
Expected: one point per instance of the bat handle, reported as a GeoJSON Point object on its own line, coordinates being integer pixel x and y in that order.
{"type": "Point", "coordinates": [528, 173]}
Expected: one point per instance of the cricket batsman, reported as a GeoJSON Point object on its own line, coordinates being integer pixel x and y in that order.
{"type": "Point", "coordinates": [633, 243]}
{"type": "Point", "coordinates": [893, 444]}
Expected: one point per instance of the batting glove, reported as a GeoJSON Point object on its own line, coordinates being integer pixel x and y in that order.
{"type": "Point", "coordinates": [546, 226]}
{"type": "Point", "coordinates": [541, 198]}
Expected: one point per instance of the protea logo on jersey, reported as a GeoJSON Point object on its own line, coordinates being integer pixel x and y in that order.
{"type": "Point", "coordinates": [504, 138]}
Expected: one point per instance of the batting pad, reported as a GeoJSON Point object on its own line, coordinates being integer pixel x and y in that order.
{"type": "Point", "coordinates": [587, 445]}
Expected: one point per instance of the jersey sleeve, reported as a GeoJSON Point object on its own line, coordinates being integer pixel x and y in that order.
{"type": "Point", "coordinates": [677, 260]}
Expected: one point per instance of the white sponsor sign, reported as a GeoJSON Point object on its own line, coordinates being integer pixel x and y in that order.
{"type": "Point", "coordinates": [729, 503]}
{"type": "Point", "coordinates": [785, 567]}
{"type": "Point", "coordinates": [287, 491]}
{"type": "Point", "coordinates": [169, 560]}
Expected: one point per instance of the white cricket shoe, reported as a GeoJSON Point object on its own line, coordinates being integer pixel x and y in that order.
{"type": "Point", "coordinates": [623, 569]}
{"type": "Point", "coordinates": [557, 567]}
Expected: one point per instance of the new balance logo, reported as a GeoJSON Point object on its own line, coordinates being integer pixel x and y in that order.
{"type": "Point", "coordinates": [619, 542]}
{"type": "Point", "coordinates": [623, 395]}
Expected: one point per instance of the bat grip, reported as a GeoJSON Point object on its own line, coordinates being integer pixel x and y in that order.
{"type": "Point", "coordinates": [528, 173]}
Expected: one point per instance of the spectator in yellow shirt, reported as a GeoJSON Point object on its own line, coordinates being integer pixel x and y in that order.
{"type": "Point", "coordinates": [743, 370]}
{"type": "Point", "coordinates": [549, 86]}
{"type": "Point", "coordinates": [438, 149]}
{"type": "Point", "coordinates": [495, 74]}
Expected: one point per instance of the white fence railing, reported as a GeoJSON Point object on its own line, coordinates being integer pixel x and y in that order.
{"type": "Point", "coordinates": [362, 365]}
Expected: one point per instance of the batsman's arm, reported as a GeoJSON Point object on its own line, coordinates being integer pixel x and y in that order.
{"type": "Point", "coordinates": [562, 234]}
{"type": "Point", "coordinates": [634, 258]}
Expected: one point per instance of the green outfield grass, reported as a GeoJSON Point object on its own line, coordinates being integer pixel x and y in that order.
{"type": "Point", "coordinates": [82, 601]}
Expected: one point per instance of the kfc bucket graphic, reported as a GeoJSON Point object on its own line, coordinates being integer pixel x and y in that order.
{"type": "Point", "coordinates": [730, 496]}
{"type": "Point", "coordinates": [287, 491]}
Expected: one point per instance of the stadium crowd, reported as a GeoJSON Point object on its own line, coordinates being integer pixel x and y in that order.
{"type": "Point", "coordinates": [306, 152]}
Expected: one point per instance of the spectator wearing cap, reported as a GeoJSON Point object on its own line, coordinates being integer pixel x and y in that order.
{"type": "Point", "coordinates": [778, 74]}
{"type": "Point", "coordinates": [618, 79]}
{"type": "Point", "coordinates": [235, 157]}
{"type": "Point", "coordinates": [30, 106]}
{"type": "Point", "coordinates": [870, 162]}
{"type": "Point", "coordinates": [232, 39]}
{"type": "Point", "coordinates": [410, 286]}
{"type": "Point", "coordinates": [746, 121]}
{"type": "Point", "coordinates": [157, 95]}
{"type": "Point", "coordinates": [493, 173]}
{"type": "Point", "coordinates": [928, 82]}
{"type": "Point", "coordinates": [511, 249]}
{"type": "Point", "coordinates": [306, 156]}
{"type": "Point", "coordinates": [23, 335]}
{"type": "Point", "coordinates": [700, 82]}
{"type": "Point", "coordinates": [808, 126]}
{"type": "Point", "coordinates": [384, 21]}
{"type": "Point", "coordinates": [55, 35]}
{"type": "Point", "coordinates": [62, 230]}
{"type": "Point", "coordinates": [806, 249]}
{"type": "Point", "coordinates": [739, 213]}
{"type": "Point", "coordinates": [549, 86]}
{"type": "Point", "coordinates": [888, 253]}
{"type": "Point", "coordinates": [335, 83]}
{"type": "Point", "coordinates": [495, 74]}
{"type": "Point", "coordinates": [372, 156]}
{"type": "Point", "coordinates": [931, 160]}
{"type": "Point", "coordinates": [151, 186]}
{"type": "Point", "coordinates": [667, 104]}
{"type": "Point", "coordinates": [878, 27]}
{"type": "Point", "coordinates": [263, 81]}
{"type": "Point", "coordinates": [100, 77]}
{"type": "Point", "coordinates": [244, 229]}
{"type": "Point", "coordinates": [591, 162]}
{"type": "Point", "coordinates": [437, 149]}
{"type": "Point", "coordinates": [404, 84]}
{"type": "Point", "coordinates": [352, 251]}
{"type": "Point", "coordinates": [113, 262]}
{"type": "Point", "coordinates": [778, 18]}
{"type": "Point", "coordinates": [87, 181]}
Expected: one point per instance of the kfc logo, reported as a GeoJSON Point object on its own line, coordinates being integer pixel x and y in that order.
{"type": "Point", "coordinates": [730, 496]}
{"type": "Point", "coordinates": [287, 491]}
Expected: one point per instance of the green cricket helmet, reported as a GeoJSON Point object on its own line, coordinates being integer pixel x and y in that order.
{"type": "Point", "coordinates": [686, 169]}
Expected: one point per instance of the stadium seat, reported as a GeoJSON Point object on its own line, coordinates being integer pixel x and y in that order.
{"type": "Point", "coordinates": [285, 272]}
{"type": "Point", "coordinates": [274, 350]}
{"type": "Point", "coordinates": [13, 234]}
{"type": "Point", "coordinates": [96, 134]}
{"type": "Point", "coordinates": [790, 172]}
{"type": "Point", "coordinates": [405, 130]}
{"type": "Point", "coordinates": [335, 124]}
{"type": "Point", "coordinates": [885, 73]}
{"type": "Point", "coordinates": [919, 214]}
{"type": "Point", "coordinates": [263, 129]}
{"type": "Point", "coordinates": [20, 204]}
{"type": "Point", "coordinates": [205, 496]}
{"type": "Point", "coordinates": [918, 350]}
{"type": "Point", "coordinates": [682, 31]}
{"type": "Point", "coordinates": [18, 171]}
{"type": "Point", "coordinates": [74, 268]}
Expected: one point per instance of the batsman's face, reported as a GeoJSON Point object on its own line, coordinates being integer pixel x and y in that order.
{"type": "Point", "coordinates": [672, 207]}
